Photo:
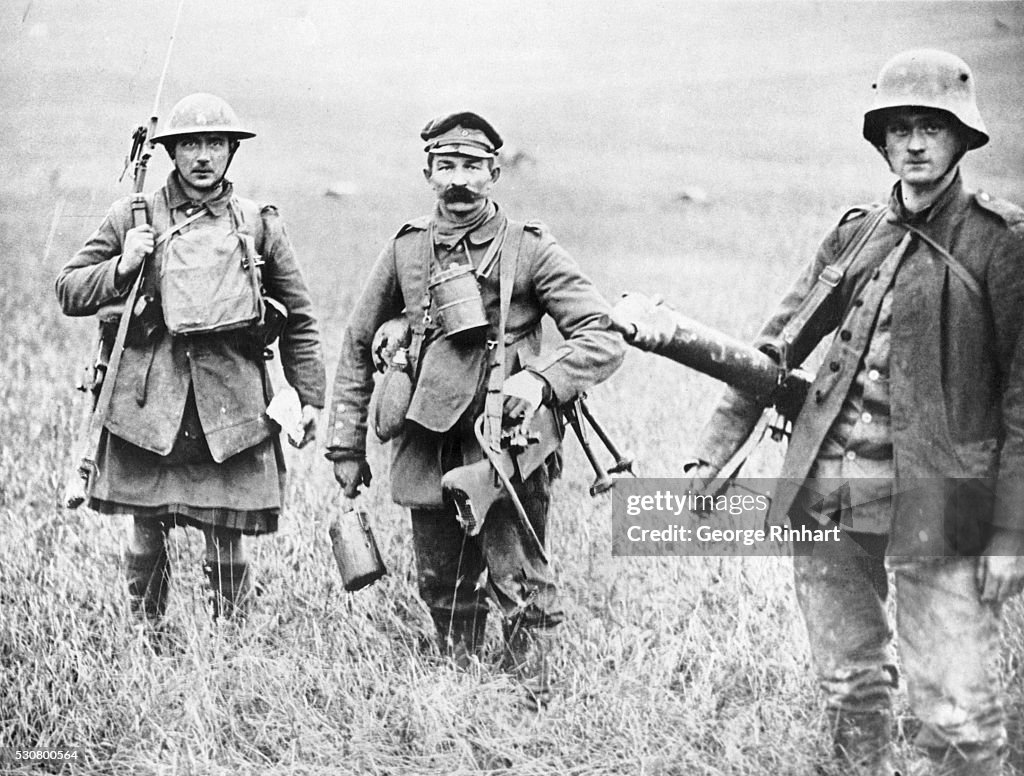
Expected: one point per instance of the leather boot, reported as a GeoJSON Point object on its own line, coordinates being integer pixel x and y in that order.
{"type": "Point", "coordinates": [230, 589]}
{"type": "Point", "coordinates": [148, 582]}
{"type": "Point", "coordinates": [527, 656]}
{"type": "Point", "coordinates": [862, 741]}
{"type": "Point", "coordinates": [461, 638]}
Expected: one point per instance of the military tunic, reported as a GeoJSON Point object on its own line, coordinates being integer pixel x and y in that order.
{"type": "Point", "coordinates": [956, 372]}
{"type": "Point", "coordinates": [187, 434]}
{"type": "Point", "coordinates": [449, 391]}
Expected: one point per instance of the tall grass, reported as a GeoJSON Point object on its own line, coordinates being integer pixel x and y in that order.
{"type": "Point", "coordinates": [665, 665]}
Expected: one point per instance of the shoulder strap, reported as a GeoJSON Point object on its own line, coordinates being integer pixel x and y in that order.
{"type": "Point", "coordinates": [954, 264]}
{"type": "Point", "coordinates": [508, 257]}
{"type": "Point", "coordinates": [251, 259]}
{"type": "Point", "coordinates": [421, 321]}
{"type": "Point", "coordinates": [831, 276]}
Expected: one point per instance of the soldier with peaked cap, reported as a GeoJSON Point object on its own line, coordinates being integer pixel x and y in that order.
{"type": "Point", "coordinates": [919, 409]}
{"type": "Point", "coordinates": [187, 440]}
{"type": "Point", "coordinates": [452, 371]}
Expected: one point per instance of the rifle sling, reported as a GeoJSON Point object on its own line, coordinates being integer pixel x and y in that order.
{"type": "Point", "coordinates": [829, 279]}
{"type": "Point", "coordinates": [99, 417]}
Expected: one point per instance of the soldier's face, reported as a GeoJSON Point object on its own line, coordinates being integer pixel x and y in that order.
{"type": "Point", "coordinates": [202, 159]}
{"type": "Point", "coordinates": [920, 146]}
{"type": "Point", "coordinates": [462, 183]}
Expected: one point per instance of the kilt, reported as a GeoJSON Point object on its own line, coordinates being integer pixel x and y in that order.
{"type": "Point", "coordinates": [187, 487]}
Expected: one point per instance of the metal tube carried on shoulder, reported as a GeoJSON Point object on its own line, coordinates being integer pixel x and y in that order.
{"type": "Point", "coordinates": [658, 328]}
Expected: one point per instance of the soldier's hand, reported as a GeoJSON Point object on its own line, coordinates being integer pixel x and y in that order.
{"type": "Point", "coordinates": [307, 423]}
{"type": "Point", "coordinates": [352, 473]}
{"type": "Point", "coordinates": [524, 393]}
{"type": "Point", "coordinates": [1000, 571]}
{"type": "Point", "coordinates": [138, 244]}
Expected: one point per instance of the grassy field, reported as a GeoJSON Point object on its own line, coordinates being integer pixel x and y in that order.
{"type": "Point", "coordinates": [667, 666]}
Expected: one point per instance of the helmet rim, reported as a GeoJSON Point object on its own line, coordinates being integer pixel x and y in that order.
{"type": "Point", "coordinates": [926, 79]}
{"type": "Point", "coordinates": [202, 112]}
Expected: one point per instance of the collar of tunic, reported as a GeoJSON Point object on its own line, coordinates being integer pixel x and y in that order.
{"type": "Point", "coordinates": [898, 213]}
{"type": "Point", "coordinates": [177, 198]}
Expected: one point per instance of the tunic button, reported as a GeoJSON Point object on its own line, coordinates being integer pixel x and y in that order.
{"type": "Point", "coordinates": [866, 417]}
{"type": "Point", "coordinates": [223, 410]}
{"type": "Point", "coordinates": [850, 455]}
{"type": "Point", "coordinates": [922, 536]}
{"type": "Point", "coordinates": [819, 396]}
{"type": "Point", "coordinates": [858, 302]}
{"type": "Point", "coordinates": [834, 366]}
{"type": "Point", "coordinates": [874, 374]}
{"type": "Point", "coordinates": [845, 335]}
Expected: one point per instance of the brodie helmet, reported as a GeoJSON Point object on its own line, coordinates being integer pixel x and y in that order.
{"type": "Point", "coordinates": [926, 78]}
{"type": "Point", "coordinates": [202, 112]}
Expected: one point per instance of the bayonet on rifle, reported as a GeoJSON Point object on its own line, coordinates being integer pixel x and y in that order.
{"type": "Point", "coordinates": [100, 376]}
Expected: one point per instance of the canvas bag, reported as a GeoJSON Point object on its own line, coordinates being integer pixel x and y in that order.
{"type": "Point", "coordinates": [208, 278]}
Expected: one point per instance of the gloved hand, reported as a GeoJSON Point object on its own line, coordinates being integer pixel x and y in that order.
{"type": "Point", "coordinates": [351, 473]}
{"type": "Point", "coordinates": [524, 393]}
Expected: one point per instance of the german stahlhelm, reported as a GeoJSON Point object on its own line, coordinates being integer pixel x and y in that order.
{"type": "Point", "coordinates": [202, 113]}
{"type": "Point", "coordinates": [926, 78]}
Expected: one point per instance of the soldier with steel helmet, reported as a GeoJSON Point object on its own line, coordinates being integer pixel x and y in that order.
{"type": "Point", "coordinates": [474, 355]}
{"type": "Point", "coordinates": [186, 440]}
{"type": "Point", "coordinates": [917, 413]}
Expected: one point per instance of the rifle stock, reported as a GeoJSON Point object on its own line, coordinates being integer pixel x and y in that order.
{"type": "Point", "coordinates": [82, 475]}
{"type": "Point", "coordinates": [98, 378]}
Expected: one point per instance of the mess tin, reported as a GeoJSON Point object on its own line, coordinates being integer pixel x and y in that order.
{"type": "Point", "coordinates": [458, 305]}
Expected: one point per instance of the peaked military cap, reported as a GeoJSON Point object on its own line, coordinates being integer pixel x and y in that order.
{"type": "Point", "coordinates": [461, 133]}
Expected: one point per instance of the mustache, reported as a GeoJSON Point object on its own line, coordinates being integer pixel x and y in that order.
{"type": "Point", "coordinates": [459, 194]}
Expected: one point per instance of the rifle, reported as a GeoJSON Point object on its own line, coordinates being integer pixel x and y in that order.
{"type": "Point", "coordinates": [476, 487]}
{"type": "Point", "coordinates": [98, 378]}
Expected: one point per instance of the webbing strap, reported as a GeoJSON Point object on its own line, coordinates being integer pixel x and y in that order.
{"type": "Point", "coordinates": [952, 262]}
{"type": "Point", "coordinates": [830, 277]}
{"type": "Point", "coordinates": [419, 326]}
{"type": "Point", "coordinates": [508, 257]}
{"type": "Point", "coordinates": [99, 417]}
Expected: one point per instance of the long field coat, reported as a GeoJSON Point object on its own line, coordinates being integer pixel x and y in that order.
{"type": "Point", "coordinates": [956, 370]}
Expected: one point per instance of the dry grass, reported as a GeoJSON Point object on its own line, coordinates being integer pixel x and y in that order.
{"type": "Point", "coordinates": [668, 666]}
